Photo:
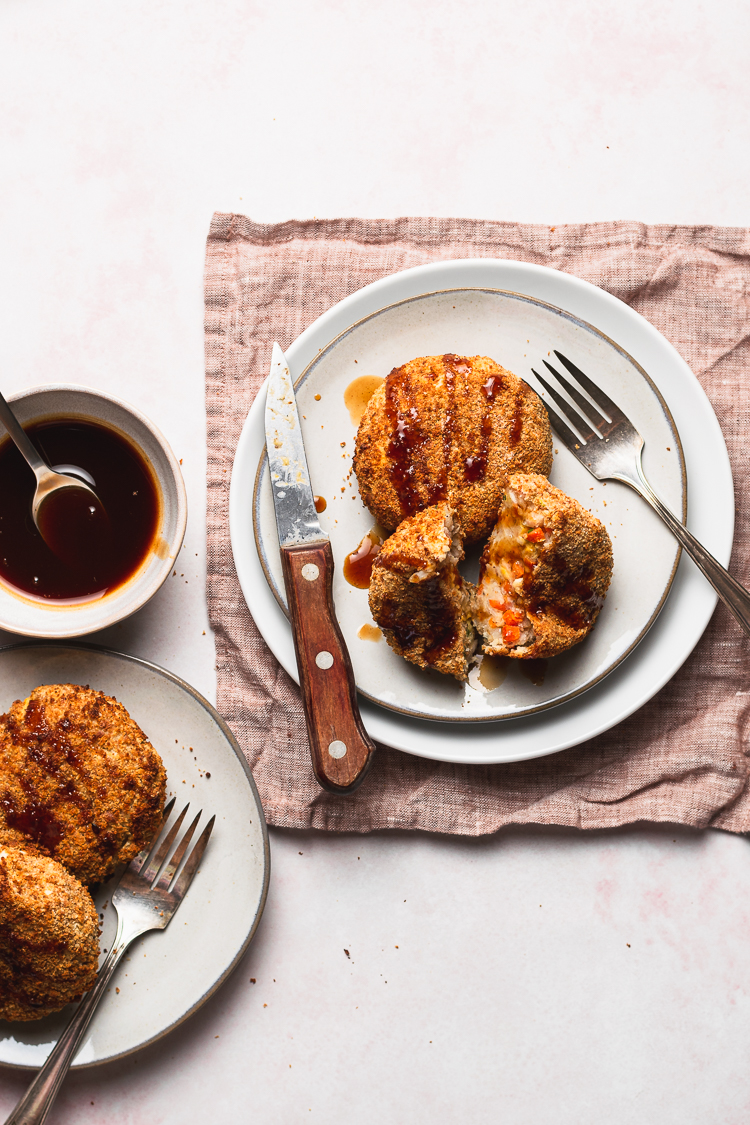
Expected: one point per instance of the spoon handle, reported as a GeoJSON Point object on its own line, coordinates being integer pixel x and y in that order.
{"type": "Point", "coordinates": [25, 446]}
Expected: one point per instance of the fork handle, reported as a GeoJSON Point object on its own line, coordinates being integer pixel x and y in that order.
{"type": "Point", "coordinates": [37, 1101]}
{"type": "Point", "coordinates": [735, 597]}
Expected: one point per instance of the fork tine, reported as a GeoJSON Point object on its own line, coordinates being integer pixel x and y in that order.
{"type": "Point", "coordinates": [137, 863]}
{"type": "Point", "coordinates": [589, 410]}
{"type": "Point", "coordinates": [603, 402]}
{"type": "Point", "coordinates": [188, 871]}
{"type": "Point", "coordinates": [582, 424]}
{"type": "Point", "coordinates": [175, 861]}
{"type": "Point", "coordinates": [161, 853]}
{"type": "Point", "coordinates": [564, 432]}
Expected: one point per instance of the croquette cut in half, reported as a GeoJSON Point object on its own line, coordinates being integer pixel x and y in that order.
{"type": "Point", "coordinates": [79, 780]}
{"type": "Point", "coordinates": [543, 574]}
{"type": "Point", "coordinates": [419, 599]}
{"type": "Point", "coordinates": [49, 936]}
{"type": "Point", "coordinates": [449, 427]}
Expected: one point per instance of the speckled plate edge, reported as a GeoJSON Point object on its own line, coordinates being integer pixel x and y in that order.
{"type": "Point", "coordinates": [232, 741]}
{"type": "Point", "coordinates": [589, 683]}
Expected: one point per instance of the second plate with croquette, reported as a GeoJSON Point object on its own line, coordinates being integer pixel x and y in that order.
{"type": "Point", "coordinates": [516, 332]}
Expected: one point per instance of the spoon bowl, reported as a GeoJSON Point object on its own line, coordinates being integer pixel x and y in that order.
{"type": "Point", "coordinates": [50, 486]}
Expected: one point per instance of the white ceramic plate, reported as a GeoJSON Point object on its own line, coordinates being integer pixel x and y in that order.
{"type": "Point", "coordinates": [711, 509]}
{"type": "Point", "coordinates": [517, 331]}
{"type": "Point", "coordinates": [170, 973]}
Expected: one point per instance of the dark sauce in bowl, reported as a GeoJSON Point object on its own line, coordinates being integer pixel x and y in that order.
{"type": "Point", "coordinates": [93, 557]}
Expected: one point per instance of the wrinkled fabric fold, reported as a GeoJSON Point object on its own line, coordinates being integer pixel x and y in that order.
{"type": "Point", "coordinates": [683, 758]}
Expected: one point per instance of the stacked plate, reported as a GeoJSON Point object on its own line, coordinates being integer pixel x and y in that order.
{"type": "Point", "coordinates": [656, 610]}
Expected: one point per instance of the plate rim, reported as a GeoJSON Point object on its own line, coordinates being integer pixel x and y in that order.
{"type": "Point", "coordinates": [462, 720]}
{"type": "Point", "coordinates": [685, 616]}
{"type": "Point", "coordinates": [102, 650]}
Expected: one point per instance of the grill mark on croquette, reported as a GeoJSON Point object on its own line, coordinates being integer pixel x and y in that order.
{"type": "Point", "coordinates": [475, 465]}
{"type": "Point", "coordinates": [516, 427]}
{"type": "Point", "coordinates": [407, 439]}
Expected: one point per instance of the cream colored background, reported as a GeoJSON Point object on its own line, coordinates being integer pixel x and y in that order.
{"type": "Point", "coordinates": [513, 994]}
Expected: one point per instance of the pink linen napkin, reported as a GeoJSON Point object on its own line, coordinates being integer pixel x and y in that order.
{"type": "Point", "coordinates": [683, 757]}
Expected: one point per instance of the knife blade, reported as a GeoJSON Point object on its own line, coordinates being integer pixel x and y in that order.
{"type": "Point", "coordinates": [341, 749]}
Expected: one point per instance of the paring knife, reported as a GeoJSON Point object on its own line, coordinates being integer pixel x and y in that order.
{"type": "Point", "coordinates": [341, 749]}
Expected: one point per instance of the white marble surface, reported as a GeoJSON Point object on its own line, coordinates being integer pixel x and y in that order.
{"type": "Point", "coordinates": [540, 976]}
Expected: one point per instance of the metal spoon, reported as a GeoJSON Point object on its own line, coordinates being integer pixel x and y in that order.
{"type": "Point", "coordinates": [48, 481]}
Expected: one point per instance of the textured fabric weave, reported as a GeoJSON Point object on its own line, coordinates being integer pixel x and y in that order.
{"type": "Point", "coordinates": [681, 758]}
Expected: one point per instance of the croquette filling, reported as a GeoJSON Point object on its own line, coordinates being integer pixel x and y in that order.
{"type": "Point", "coordinates": [447, 566]}
{"type": "Point", "coordinates": [511, 558]}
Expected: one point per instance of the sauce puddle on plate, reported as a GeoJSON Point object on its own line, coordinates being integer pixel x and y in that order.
{"type": "Point", "coordinates": [358, 394]}
{"type": "Point", "coordinates": [533, 670]}
{"type": "Point", "coordinates": [492, 671]}
{"type": "Point", "coordinates": [358, 564]}
{"type": "Point", "coordinates": [369, 632]}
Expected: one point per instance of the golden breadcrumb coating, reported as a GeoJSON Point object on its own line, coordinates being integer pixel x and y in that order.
{"type": "Point", "coordinates": [417, 596]}
{"type": "Point", "coordinates": [544, 572]}
{"type": "Point", "coordinates": [49, 936]}
{"type": "Point", "coordinates": [449, 427]}
{"type": "Point", "coordinates": [79, 780]}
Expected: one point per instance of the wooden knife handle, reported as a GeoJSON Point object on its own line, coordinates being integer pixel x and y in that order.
{"type": "Point", "coordinates": [341, 749]}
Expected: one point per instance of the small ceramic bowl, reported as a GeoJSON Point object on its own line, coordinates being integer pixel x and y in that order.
{"type": "Point", "coordinates": [36, 617]}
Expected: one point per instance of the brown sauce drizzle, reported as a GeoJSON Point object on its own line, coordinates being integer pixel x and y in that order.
{"type": "Point", "coordinates": [49, 749]}
{"type": "Point", "coordinates": [34, 819]}
{"type": "Point", "coordinates": [320, 503]}
{"type": "Point", "coordinates": [407, 439]}
{"type": "Point", "coordinates": [437, 633]}
{"type": "Point", "coordinates": [574, 600]}
{"type": "Point", "coordinates": [358, 564]}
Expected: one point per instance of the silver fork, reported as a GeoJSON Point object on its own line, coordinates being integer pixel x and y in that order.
{"type": "Point", "coordinates": [141, 904]}
{"type": "Point", "coordinates": [611, 450]}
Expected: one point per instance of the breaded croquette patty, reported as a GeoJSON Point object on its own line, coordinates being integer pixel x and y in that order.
{"type": "Point", "coordinates": [49, 936]}
{"type": "Point", "coordinates": [449, 427]}
{"type": "Point", "coordinates": [417, 596]}
{"type": "Point", "coordinates": [79, 780]}
{"type": "Point", "coordinates": [544, 572]}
